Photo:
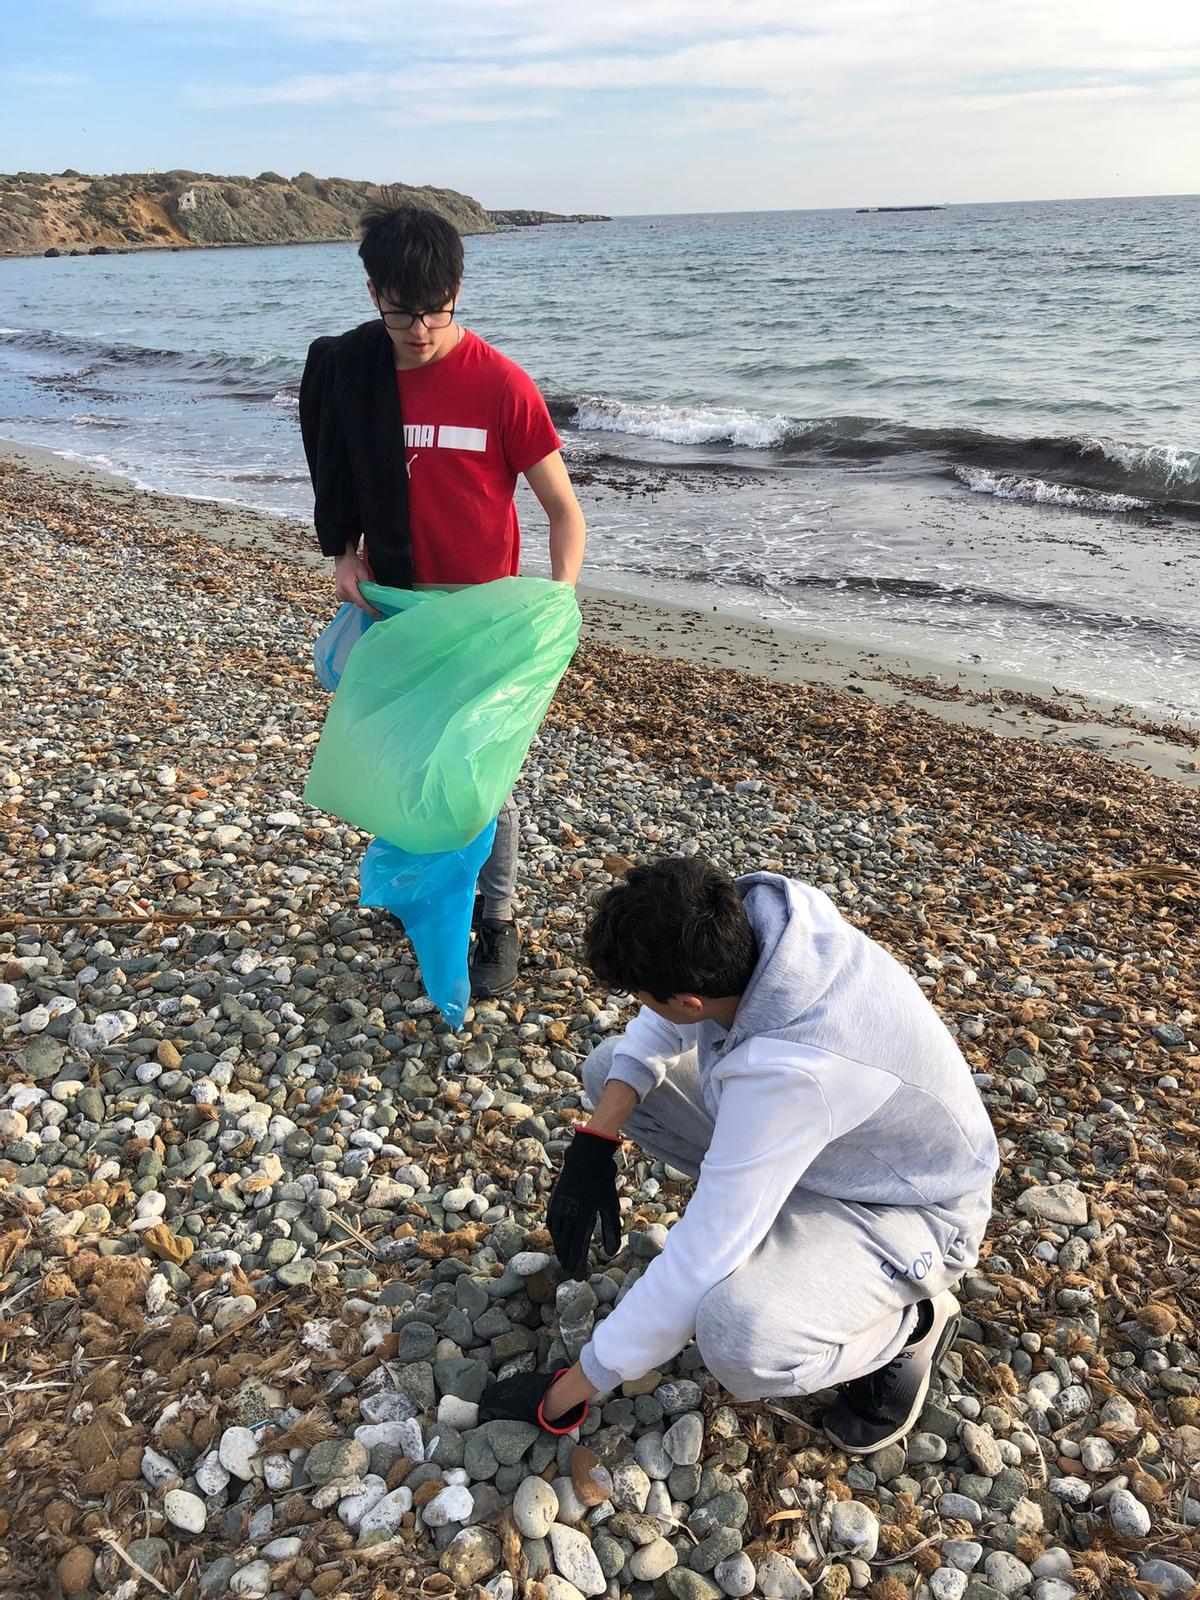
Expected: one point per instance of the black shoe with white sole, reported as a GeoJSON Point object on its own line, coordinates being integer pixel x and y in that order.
{"type": "Point", "coordinates": [882, 1407]}
{"type": "Point", "coordinates": [494, 958]}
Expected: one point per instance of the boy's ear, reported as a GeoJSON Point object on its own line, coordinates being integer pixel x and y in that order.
{"type": "Point", "coordinates": [692, 1004]}
{"type": "Point", "coordinates": [372, 293]}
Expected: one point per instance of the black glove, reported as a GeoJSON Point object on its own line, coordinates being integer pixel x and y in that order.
{"type": "Point", "coordinates": [519, 1399]}
{"type": "Point", "coordinates": [586, 1191]}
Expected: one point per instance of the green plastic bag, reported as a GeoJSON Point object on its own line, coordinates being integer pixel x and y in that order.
{"type": "Point", "coordinates": [437, 706]}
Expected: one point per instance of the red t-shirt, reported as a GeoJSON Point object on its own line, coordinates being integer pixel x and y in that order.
{"type": "Point", "coordinates": [473, 422]}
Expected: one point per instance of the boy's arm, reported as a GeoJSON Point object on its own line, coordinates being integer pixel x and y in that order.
{"type": "Point", "coordinates": [550, 483]}
{"type": "Point", "coordinates": [615, 1104]}
{"type": "Point", "coordinates": [335, 514]}
{"type": "Point", "coordinates": [643, 1053]}
{"type": "Point", "coordinates": [772, 1122]}
{"type": "Point", "coordinates": [585, 1192]}
{"type": "Point", "coordinates": [649, 1042]}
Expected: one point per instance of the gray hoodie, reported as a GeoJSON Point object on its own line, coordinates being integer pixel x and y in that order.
{"type": "Point", "coordinates": [837, 1075]}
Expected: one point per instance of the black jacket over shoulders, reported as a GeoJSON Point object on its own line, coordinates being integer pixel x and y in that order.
{"type": "Point", "coordinates": [354, 440]}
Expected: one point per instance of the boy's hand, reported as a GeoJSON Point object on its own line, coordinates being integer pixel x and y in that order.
{"type": "Point", "coordinates": [586, 1193]}
{"type": "Point", "coordinates": [349, 570]}
{"type": "Point", "coordinates": [522, 1398]}
{"type": "Point", "coordinates": [550, 483]}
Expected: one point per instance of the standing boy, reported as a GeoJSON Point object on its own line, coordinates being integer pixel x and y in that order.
{"type": "Point", "coordinates": [416, 431]}
{"type": "Point", "coordinates": [844, 1157]}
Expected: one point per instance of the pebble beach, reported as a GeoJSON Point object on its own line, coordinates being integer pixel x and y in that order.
{"type": "Point", "coordinates": [267, 1224]}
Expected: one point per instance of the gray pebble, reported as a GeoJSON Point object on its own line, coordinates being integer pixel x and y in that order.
{"type": "Point", "coordinates": [1166, 1576]}
{"type": "Point", "coordinates": [1128, 1515]}
{"type": "Point", "coordinates": [735, 1575]}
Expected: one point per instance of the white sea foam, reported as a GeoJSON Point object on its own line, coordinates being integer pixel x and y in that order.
{"type": "Point", "coordinates": [286, 399]}
{"type": "Point", "coordinates": [1165, 464]}
{"type": "Point", "coordinates": [684, 424]}
{"type": "Point", "coordinates": [92, 419]}
{"type": "Point", "coordinates": [1010, 486]}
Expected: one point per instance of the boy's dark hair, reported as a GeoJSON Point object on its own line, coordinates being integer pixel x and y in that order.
{"type": "Point", "coordinates": [673, 926]}
{"type": "Point", "coordinates": [413, 255]}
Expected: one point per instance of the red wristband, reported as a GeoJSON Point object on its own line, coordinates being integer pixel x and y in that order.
{"type": "Point", "coordinates": [613, 1138]}
{"type": "Point", "coordinates": [558, 1428]}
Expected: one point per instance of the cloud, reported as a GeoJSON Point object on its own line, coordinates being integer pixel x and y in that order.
{"type": "Point", "coordinates": [727, 64]}
{"type": "Point", "coordinates": [422, 110]}
{"type": "Point", "coordinates": [521, 26]}
{"type": "Point", "coordinates": [41, 78]}
{"type": "Point", "coordinates": [763, 83]}
{"type": "Point", "coordinates": [890, 49]}
{"type": "Point", "coordinates": [1069, 93]}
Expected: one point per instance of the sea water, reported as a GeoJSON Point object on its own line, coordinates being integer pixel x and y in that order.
{"type": "Point", "coordinates": [971, 433]}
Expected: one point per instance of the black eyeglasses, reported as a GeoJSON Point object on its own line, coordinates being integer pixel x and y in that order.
{"type": "Point", "coordinates": [403, 320]}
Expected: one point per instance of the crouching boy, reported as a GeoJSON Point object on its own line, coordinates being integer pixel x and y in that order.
{"type": "Point", "coordinates": [843, 1155]}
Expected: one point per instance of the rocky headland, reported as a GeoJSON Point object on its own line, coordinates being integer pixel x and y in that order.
{"type": "Point", "coordinates": [505, 221]}
{"type": "Point", "coordinates": [72, 213]}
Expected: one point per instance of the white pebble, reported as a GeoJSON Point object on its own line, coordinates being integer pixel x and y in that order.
{"type": "Point", "coordinates": [277, 1472]}
{"type": "Point", "coordinates": [535, 1508]}
{"type": "Point", "coordinates": [254, 1581]}
{"type": "Point", "coordinates": [526, 1262]}
{"type": "Point", "coordinates": [239, 1453]}
{"type": "Point", "coordinates": [455, 1413]}
{"type": "Point", "coordinates": [947, 1583]}
{"type": "Point", "coordinates": [652, 1561]}
{"type": "Point", "coordinates": [211, 1476]}
{"type": "Point", "coordinates": [1128, 1515]}
{"type": "Point", "coordinates": [855, 1527]}
{"type": "Point", "coordinates": [285, 1549]}
{"type": "Point", "coordinates": [157, 1470]}
{"type": "Point", "coordinates": [576, 1560]}
{"type": "Point", "coordinates": [453, 1504]}
{"type": "Point", "coordinates": [354, 1507]}
{"type": "Point", "coordinates": [184, 1510]}
{"type": "Point", "coordinates": [387, 1513]}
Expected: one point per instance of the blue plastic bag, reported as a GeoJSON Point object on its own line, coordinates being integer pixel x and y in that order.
{"type": "Point", "coordinates": [336, 641]}
{"type": "Point", "coordinates": [433, 895]}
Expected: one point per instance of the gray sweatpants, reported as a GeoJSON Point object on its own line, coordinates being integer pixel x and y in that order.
{"type": "Point", "coordinates": [823, 1299]}
{"type": "Point", "coordinates": [498, 875]}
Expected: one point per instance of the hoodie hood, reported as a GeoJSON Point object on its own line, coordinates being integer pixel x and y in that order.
{"type": "Point", "coordinates": [802, 943]}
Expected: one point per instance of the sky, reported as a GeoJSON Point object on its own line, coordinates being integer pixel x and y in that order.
{"type": "Point", "coordinates": [620, 106]}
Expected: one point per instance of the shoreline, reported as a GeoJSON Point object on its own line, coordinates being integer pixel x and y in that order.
{"type": "Point", "coordinates": [654, 623]}
{"type": "Point", "coordinates": [184, 247]}
{"type": "Point", "coordinates": [177, 247]}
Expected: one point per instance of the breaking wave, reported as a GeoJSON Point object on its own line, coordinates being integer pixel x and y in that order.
{"type": "Point", "coordinates": [1009, 486]}
{"type": "Point", "coordinates": [1049, 470]}
{"type": "Point", "coordinates": [682, 424]}
{"type": "Point", "coordinates": [74, 358]}
{"type": "Point", "coordinates": [1087, 472]}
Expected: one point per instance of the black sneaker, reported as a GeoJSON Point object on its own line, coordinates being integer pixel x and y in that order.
{"type": "Point", "coordinates": [877, 1410]}
{"type": "Point", "coordinates": [494, 958]}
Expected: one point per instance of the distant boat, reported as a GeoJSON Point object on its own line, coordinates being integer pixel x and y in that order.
{"type": "Point", "coordinates": [863, 211]}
